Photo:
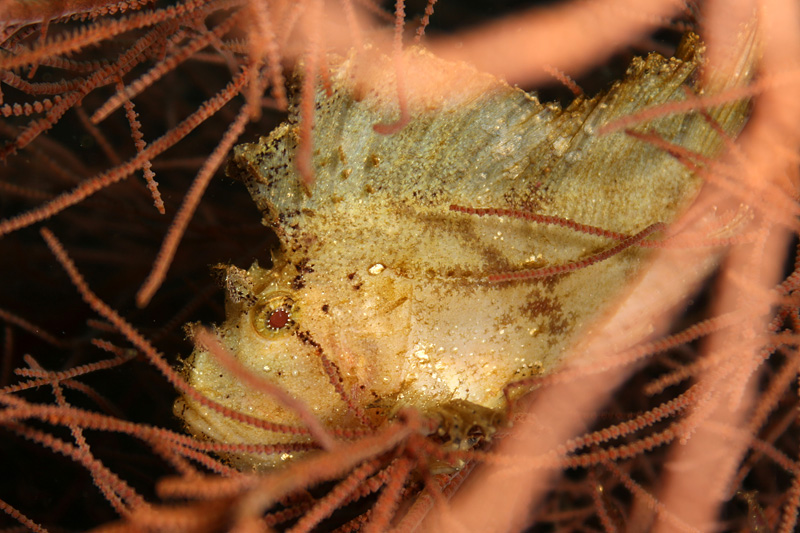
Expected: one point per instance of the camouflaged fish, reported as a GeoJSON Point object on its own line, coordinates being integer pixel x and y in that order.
{"type": "Point", "coordinates": [395, 289]}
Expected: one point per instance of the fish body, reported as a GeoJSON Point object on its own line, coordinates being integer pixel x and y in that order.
{"type": "Point", "coordinates": [379, 279]}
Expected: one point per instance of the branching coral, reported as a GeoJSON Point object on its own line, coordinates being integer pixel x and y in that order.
{"type": "Point", "coordinates": [694, 427]}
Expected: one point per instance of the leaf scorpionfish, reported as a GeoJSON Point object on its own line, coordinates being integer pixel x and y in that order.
{"type": "Point", "coordinates": [378, 284]}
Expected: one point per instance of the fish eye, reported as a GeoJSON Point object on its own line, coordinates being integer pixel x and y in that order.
{"type": "Point", "coordinates": [273, 315]}
{"type": "Point", "coordinates": [278, 319]}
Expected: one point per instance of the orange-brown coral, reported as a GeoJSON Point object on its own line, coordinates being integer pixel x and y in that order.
{"type": "Point", "coordinates": [737, 344]}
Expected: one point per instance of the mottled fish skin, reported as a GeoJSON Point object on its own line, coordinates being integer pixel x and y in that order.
{"type": "Point", "coordinates": [390, 285]}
